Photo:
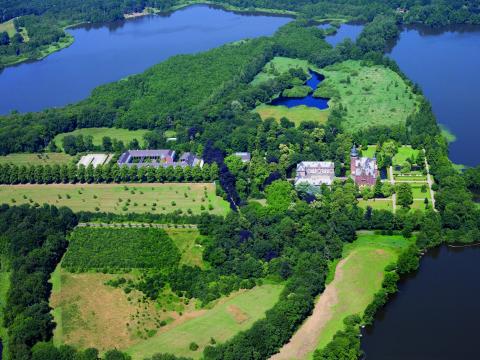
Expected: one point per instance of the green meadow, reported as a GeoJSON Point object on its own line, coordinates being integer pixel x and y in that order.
{"type": "Point", "coordinates": [47, 158]}
{"type": "Point", "coordinates": [296, 114]}
{"type": "Point", "coordinates": [9, 27]}
{"type": "Point", "coordinates": [372, 95]}
{"type": "Point", "coordinates": [279, 65]}
{"type": "Point", "coordinates": [98, 134]}
{"type": "Point", "coordinates": [358, 276]}
{"type": "Point", "coordinates": [228, 317]}
{"type": "Point", "coordinates": [405, 152]}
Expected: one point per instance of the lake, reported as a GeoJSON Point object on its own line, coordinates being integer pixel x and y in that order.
{"type": "Point", "coordinates": [346, 31]}
{"type": "Point", "coordinates": [309, 100]}
{"type": "Point", "coordinates": [109, 52]}
{"type": "Point", "coordinates": [446, 65]}
{"type": "Point", "coordinates": [434, 316]}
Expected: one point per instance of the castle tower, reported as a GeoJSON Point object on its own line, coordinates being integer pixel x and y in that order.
{"type": "Point", "coordinates": [353, 160]}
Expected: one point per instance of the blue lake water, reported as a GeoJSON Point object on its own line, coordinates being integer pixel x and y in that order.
{"type": "Point", "coordinates": [346, 31]}
{"type": "Point", "coordinates": [446, 66]}
{"type": "Point", "coordinates": [309, 100]}
{"type": "Point", "coordinates": [102, 54]}
{"type": "Point", "coordinates": [434, 316]}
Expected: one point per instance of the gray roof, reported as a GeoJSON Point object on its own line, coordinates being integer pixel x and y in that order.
{"type": "Point", "coordinates": [245, 156]}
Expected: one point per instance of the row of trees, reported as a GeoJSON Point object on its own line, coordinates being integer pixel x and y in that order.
{"type": "Point", "coordinates": [55, 174]}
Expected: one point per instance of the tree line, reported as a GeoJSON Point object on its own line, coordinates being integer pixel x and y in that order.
{"type": "Point", "coordinates": [109, 173]}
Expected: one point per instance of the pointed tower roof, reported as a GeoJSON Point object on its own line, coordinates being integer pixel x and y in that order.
{"type": "Point", "coordinates": [354, 152]}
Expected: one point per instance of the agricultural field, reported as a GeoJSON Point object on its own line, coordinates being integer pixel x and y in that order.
{"type": "Point", "coordinates": [124, 135]}
{"type": "Point", "coordinates": [353, 282]}
{"type": "Point", "coordinates": [26, 159]}
{"type": "Point", "coordinates": [113, 249]}
{"type": "Point", "coordinates": [296, 114]}
{"type": "Point", "coordinates": [277, 66]}
{"type": "Point", "coordinates": [120, 198]}
{"type": "Point", "coordinates": [372, 95]}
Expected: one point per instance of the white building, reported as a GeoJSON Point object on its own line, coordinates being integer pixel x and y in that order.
{"type": "Point", "coordinates": [315, 173]}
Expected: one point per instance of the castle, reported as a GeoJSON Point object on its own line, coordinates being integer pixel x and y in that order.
{"type": "Point", "coordinates": [363, 170]}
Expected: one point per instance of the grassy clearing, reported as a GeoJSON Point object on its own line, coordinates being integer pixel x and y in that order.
{"type": "Point", "coordinates": [417, 191]}
{"type": "Point", "coordinates": [186, 240]}
{"type": "Point", "coordinates": [376, 204]}
{"type": "Point", "coordinates": [120, 198]}
{"type": "Point", "coordinates": [277, 66]}
{"type": "Point", "coordinates": [124, 135]}
{"type": "Point", "coordinates": [9, 27]}
{"type": "Point", "coordinates": [296, 114]}
{"type": "Point", "coordinates": [4, 286]}
{"type": "Point", "coordinates": [372, 95]}
{"type": "Point", "coordinates": [37, 159]}
{"type": "Point", "coordinates": [360, 277]}
{"type": "Point", "coordinates": [89, 313]}
{"type": "Point", "coordinates": [369, 151]}
{"type": "Point", "coordinates": [237, 313]}
{"type": "Point", "coordinates": [404, 152]}
{"type": "Point", "coordinates": [420, 204]}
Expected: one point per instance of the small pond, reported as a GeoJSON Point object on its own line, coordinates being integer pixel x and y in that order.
{"type": "Point", "coordinates": [320, 103]}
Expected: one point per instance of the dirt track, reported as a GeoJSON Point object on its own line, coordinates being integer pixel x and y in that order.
{"type": "Point", "coordinates": [304, 341]}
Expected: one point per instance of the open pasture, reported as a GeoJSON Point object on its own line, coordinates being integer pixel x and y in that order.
{"type": "Point", "coordinates": [279, 65]}
{"type": "Point", "coordinates": [120, 198]}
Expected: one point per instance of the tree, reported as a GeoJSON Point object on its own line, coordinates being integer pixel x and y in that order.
{"type": "Point", "coordinates": [107, 143]}
{"type": "Point", "coordinates": [404, 195]}
{"type": "Point", "coordinates": [4, 38]}
{"type": "Point", "coordinates": [280, 195]}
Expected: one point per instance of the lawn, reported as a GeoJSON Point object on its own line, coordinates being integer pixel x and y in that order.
{"type": "Point", "coordinates": [296, 114]}
{"type": "Point", "coordinates": [358, 276]}
{"type": "Point", "coordinates": [9, 27]}
{"type": "Point", "coordinates": [279, 65]}
{"type": "Point", "coordinates": [36, 159]}
{"type": "Point", "coordinates": [383, 204]}
{"type": "Point", "coordinates": [120, 198]}
{"type": "Point", "coordinates": [186, 242]}
{"type": "Point", "coordinates": [407, 177]}
{"type": "Point", "coordinates": [237, 313]}
{"type": "Point", "coordinates": [369, 151]}
{"type": "Point", "coordinates": [404, 152]}
{"type": "Point", "coordinates": [372, 95]}
{"type": "Point", "coordinates": [124, 135]}
{"type": "Point", "coordinates": [417, 191]}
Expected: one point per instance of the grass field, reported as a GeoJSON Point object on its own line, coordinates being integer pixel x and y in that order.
{"type": "Point", "coordinates": [417, 191]}
{"type": "Point", "coordinates": [36, 159]}
{"type": "Point", "coordinates": [372, 95]}
{"type": "Point", "coordinates": [296, 114]}
{"type": "Point", "coordinates": [404, 152]}
{"type": "Point", "coordinates": [420, 178]}
{"type": "Point", "coordinates": [9, 27]}
{"type": "Point", "coordinates": [369, 151]}
{"type": "Point", "coordinates": [385, 204]}
{"type": "Point", "coordinates": [359, 276]}
{"type": "Point", "coordinates": [4, 285]}
{"type": "Point", "coordinates": [89, 313]}
{"type": "Point", "coordinates": [124, 135]}
{"type": "Point", "coordinates": [279, 65]}
{"type": "Point", "coordinates": [186, 242]}
{"type": "Point", "coordinates": [120, 198]}
{"type": "Point", "coordinates": [224, 320]}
